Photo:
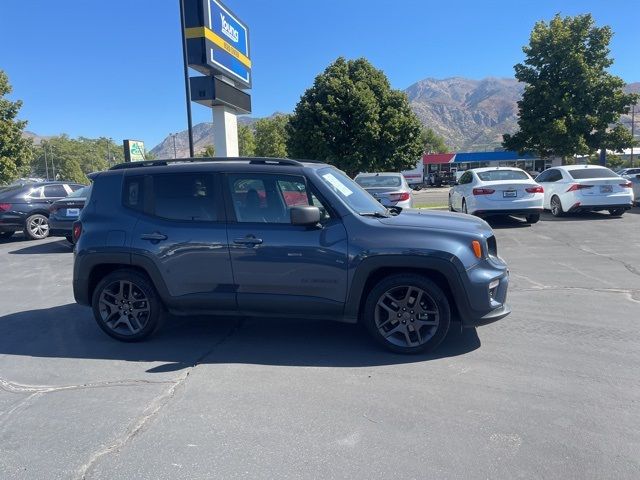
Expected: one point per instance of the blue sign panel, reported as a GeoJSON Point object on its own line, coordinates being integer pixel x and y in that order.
{"type": "Point", "coordinates": [229, 47]}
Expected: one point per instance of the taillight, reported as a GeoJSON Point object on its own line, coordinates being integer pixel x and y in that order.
{"type": "Point", "coordinates": [577, 186]}
{"type": "Point", "coordinates": [399, 197]}
{"type": "Point", "coordinates": [5, 207]}
{"type": "Point", "coordinates": [483, 191]}
{"type": "Point", "coordinates": [627, 185]}
{"type": "Point", "coordinates": [77, 231]}
{"type": "Point", "coordinates": [537, 189]}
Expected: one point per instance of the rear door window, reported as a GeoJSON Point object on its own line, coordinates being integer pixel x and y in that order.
{"type": "Point", "coordinates": [55, 191]}
{"type": "Point", "coordinates": [185, 196]}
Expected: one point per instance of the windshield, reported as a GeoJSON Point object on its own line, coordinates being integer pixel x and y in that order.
{"type": "Point", "coordinates": [81, 192]}
{"type": "Point", "coordinates": [379, 181]}
{"type": "Point", "coordinates": [497, 175]}
{"type": "Point", "coordinates": [350, 192]}
{"type": "Point", "coordinates": [585, 173]}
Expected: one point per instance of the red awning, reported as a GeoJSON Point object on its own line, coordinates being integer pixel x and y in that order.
{"type": "Point", "coordinates": [435, 158]}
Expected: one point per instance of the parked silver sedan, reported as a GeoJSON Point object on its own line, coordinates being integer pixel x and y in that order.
{"type": "Point", "coordinates": [390, 189]}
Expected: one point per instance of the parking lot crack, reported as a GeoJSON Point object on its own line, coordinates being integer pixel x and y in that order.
{"type": "Point", "coordinates": [19, 388]}
{"type": "Point", "coordinates": [153, 409]}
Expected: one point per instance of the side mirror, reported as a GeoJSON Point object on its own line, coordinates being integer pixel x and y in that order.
{"type": "Point", "coordinates": [305, 215]}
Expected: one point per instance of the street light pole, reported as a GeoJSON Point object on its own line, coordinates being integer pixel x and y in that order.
{"type": "Point", "coordinates": [46, 165]}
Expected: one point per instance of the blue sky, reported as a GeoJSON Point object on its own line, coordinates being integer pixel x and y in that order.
{"type": "Point", "coordinates": [114, 68]}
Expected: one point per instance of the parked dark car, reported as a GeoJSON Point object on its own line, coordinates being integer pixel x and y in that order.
{"type": "Point", "coordinates": [63, 212]}
{"type": "Point", "coordinates": [26, 207]}
{"type": "Point", "coordinates": [278, 238]}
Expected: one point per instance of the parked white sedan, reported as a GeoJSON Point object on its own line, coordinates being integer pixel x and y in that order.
{"type": "Point", "coordinates": [579, 188]}
{"type": "Point", "coordinates": [497, 191]}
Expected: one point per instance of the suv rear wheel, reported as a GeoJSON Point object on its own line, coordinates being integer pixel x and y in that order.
{"type": "Point", "coordinates": [407, 313]}
{"type": "Point", "coordinates": [126, 306]}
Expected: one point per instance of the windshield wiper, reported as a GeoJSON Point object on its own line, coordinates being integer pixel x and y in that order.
{"type": "Point", "coordinates": [374, 214]}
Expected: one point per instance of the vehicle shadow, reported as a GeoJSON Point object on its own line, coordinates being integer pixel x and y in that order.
{"type": "Point", "coordinates": [59, 246]}
{"type": "Point", "coordinates": [69, 331]}
{"type": "Point", "coordinates": [506, 221]}
{"type": "Point", "coordinates": [578, 217]}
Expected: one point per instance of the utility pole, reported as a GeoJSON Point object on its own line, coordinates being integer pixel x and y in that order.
{"type": "Point", "coordinates": [173, 135]}
{"type": "Point", "coordinates": [53, 166]}
{"type": "Point", "coordinates": [46, 165]}
{"type": "Point", "coordinates": [633, 125]}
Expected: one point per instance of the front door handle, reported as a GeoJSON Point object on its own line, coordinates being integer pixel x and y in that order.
{"type": "Point", "coordinates": [248, 240]}
{"type": "Point", "coordinates": [154, 237]}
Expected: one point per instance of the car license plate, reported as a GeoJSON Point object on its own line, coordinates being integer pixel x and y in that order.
{"type": "Point", "coordinates": [509, 193]}
{"type": "Point", "coordinates": [606, 189]}
{"type": "Point", "coordinates": [73, 212]}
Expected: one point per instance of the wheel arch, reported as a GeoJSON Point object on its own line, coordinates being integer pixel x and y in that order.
{"type": "Point", "coordinates": [443, 272]}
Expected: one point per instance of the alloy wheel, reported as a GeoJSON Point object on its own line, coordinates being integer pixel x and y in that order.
{"type": "Point", "coordinates": [406, 316]}
{"type": "Point", "coordinates": [39, 227]}
{"type": "Point", "coordinates": [124, 307]}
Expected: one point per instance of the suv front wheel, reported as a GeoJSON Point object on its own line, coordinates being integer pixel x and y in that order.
{"type": "Point", "coordinates": [407, 313]}
{"type": "Point", "coordinates": [126, 306]}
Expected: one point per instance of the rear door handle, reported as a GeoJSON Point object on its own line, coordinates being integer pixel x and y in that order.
{"type": "Point", "coordinates": [154, 237]}
{"type": "Point", "coordinates": [248, 240]}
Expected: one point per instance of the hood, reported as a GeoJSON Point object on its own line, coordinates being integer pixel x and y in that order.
{"type": "Point", "coordinates": [439, 220]}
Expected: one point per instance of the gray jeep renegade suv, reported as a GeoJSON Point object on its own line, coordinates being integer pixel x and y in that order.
{"type": "Point", "coordinates": [278, 238]}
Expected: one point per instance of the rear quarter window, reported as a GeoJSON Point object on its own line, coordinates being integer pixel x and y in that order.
{"type": "Point", "coordinates": [582, 174]}
{"type": "Point", "coordinates": [133, 193]}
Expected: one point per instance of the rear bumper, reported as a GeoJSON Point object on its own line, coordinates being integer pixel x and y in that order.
{"type": "Point", "coordinates": [508, 211]}
{"type": "Point", "coordinates": [593, 208]}
{"type": "Point", "coordinates": [60, 227]}
{"type": "Point", "coordinates": [10, 222]}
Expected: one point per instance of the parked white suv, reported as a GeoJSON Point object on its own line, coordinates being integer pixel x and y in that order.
{"type": "Point", "coordinates": [579, 188]}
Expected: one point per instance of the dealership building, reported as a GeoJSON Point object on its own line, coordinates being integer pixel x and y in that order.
{"type": "Point", "coordinates": [447, 163]}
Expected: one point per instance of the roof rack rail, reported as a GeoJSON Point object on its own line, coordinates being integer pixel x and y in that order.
{"type": "Point", "coordinates": [251, 160]}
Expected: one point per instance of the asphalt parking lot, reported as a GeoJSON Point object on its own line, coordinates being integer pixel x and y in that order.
{"type": "Point", "coordinates": [552, 391]}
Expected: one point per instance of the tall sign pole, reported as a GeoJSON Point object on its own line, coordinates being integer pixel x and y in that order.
{"type": "Point", "coordinates": [187, 85]}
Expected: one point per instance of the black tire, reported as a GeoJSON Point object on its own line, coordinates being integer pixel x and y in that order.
{"type": "Point", "coordinates": [6, 235]}
{"type": "Point", "coordinates": [70, 239]}
{"type": "Point", "coordinates": [104, 314]}
{"type": "Point", "coordinates": [533, 218]}
{"type": "Point", "coordinates": [434, 308]}
{"type": "Point", "coordinates": [556, 206]}
{"type": "Point", "coordinates": [451, 209]}
{"type": "Point", "coordinates": [616, 212]}
{"type": "Point", "coordinates": [464, 206]}
{"type": "Point", "coordinates": [36, 227]}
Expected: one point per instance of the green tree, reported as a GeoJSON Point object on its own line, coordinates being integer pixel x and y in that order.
{"type": "Point", "coordinates": [15, 150]}
{"type": "Point", "coordinates": [432, 142]}
{"type": "Point", "coordinates": [65, 158]}
{"type": "Point", "coordinates": [208, 151]}
{"type": "Point", "coordinates": [571, 104]}
{"type": "Point", "coordinates": [271, 136]}
{"type": "Point", "coordinates": [353, 119]}
{"type": "Point", "coordinates": [246, 141]}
